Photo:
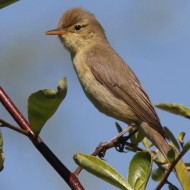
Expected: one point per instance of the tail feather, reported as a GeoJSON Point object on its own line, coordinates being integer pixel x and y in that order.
{"type": "Point", "coordinates": [156, 138]}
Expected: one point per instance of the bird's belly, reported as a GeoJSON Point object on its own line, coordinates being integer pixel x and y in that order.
{"type": "Point", "coordinates": [104, 100]}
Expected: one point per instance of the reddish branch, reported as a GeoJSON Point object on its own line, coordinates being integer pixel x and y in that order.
{"type": "Point", "coordinates": [68, 176]}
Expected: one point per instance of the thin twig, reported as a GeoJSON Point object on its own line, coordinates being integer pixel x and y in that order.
{"type": "Point", "coordinates": [4, 123]}
{"type": "Point", "coordinates": [69, 177]}
{"type": "Point", "coordinates": [120, 134]}
{"type": "Point", "coordinates": [100, 148]}
{"type": "Point", "coordinates": [103, 147]}
{"type": "Point", "coordinates": [172, 185]}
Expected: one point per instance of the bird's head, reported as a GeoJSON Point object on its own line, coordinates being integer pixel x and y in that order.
{"type": "Point", "coordinates": [78, 29]}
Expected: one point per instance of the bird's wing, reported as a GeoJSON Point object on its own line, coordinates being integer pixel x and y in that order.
{"type": "Point", "coordinates": [111, 71]}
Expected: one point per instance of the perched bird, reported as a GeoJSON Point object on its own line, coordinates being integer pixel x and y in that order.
{"type": "Point", "coordinates": [106, 79]}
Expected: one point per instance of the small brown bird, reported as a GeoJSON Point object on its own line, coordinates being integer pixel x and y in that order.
{"type": "Point", "coordinates": [106, 79]}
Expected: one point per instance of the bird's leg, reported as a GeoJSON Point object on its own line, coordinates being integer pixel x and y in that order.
{"type": "Point", "coordinates": [114, 139]}
{"type": "Point", "coordinates": [102, 147]}
{"type": "Point", "coordinates": [120, 141]}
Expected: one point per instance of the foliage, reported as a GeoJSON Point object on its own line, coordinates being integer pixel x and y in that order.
{"type": "Point", "coordinates": [44, 103]}
{"type": "Point", "coordinates": [175, 108]}
{"type": "Point", "coordinates": [139, 170]}
{"type": "Point", "coordinates": [4, 3]}
{"type": "Point", "coordinates": [102, 170]}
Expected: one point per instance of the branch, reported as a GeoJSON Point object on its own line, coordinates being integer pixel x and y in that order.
{"type": "Point", "coordinates": [69, 177]}
{"type": "Point", "coordinates": [172, 166]}
{"type": "Point", "coordinates": [4, 123]}
{"type": "Point", "coordinates": [103, 147]}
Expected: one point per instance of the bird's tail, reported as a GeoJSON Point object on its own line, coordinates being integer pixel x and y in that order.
{"type": "Point", "coordinates": [156, 138]}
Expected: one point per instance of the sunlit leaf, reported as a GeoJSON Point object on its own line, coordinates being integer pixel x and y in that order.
{"type": "Point", "coordinates": [180, 168]}
{"type": "Point", "coordinates": [146, 143]}
{"type": "Point", "coordinates": [4, 3]}
{"type": "Point", "coordinates": [180, 137]}
{"type": "Point", "coordinates": [102, 170]}
{"type": "Point", "coordinates": [139, 170]}
{"type": "Point", "coordinates": [43, 104]}
{"type": "Point", "coordinates": [183, 175]}
{"type": "Point", "coordinates": [175, 108]}
{"type": "Point", "coordinates": [182, 172]}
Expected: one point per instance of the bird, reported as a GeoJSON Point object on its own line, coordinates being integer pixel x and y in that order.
{"type": "Point", "coordinates": [108, 82]}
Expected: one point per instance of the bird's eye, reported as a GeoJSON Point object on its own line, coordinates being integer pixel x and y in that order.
{"type": "Point", "coordinates": [78, 27]}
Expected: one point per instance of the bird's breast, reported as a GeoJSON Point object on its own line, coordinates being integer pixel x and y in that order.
{"type": "Point", "coordinates": [99, 95]}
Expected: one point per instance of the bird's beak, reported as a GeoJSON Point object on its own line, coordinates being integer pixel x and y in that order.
{"type": "Point", "coordinates": [56, 32]}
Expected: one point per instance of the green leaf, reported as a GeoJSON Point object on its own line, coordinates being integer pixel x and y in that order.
{"type": "Point", "coordinates": [187, 146]}
{"type": "Point", "coordinates": [180, 137]}
{"type": "Point", "coordinates": [119, 128]}
{"type": "Point", "coordinates": [102, 170]}
{"type": "Point", "coordinates": [146, 143]}
{"type": "Point", "coordinates": [139, 170]}
{"type": "Point", "coordinates": [175, 108]}
{"type": "Point", "coordinates": [181, 170]}
{"type": "Point", "coordinates": [158, 174]}
{"type": "Point", "coordinates": [4, 3]}
{"type": "Point", "coordinates": [171, 155]}
{"type": "Point", "coordinates": [43, 104]}
{"type": "Point", "coordinates": [172, 187]}
{"type": "Point", "coordinates": [137, 137]}
{"type": "Point", "coordinates": [2, 158]}
{"type": "Point", "coordinates": [183, 175]}
{"type": "Point", "coordinates": [172, 139]}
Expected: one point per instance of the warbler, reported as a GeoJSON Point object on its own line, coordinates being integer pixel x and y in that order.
{"type": "Point", "coordinates": [106, 79]}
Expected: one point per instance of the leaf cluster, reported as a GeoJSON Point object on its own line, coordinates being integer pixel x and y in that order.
{"type": "Point", "coordinates": [43, 104]}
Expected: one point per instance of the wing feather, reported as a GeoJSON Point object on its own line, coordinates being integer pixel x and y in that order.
{"type": "Point", "coordinates": [111, 71]}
